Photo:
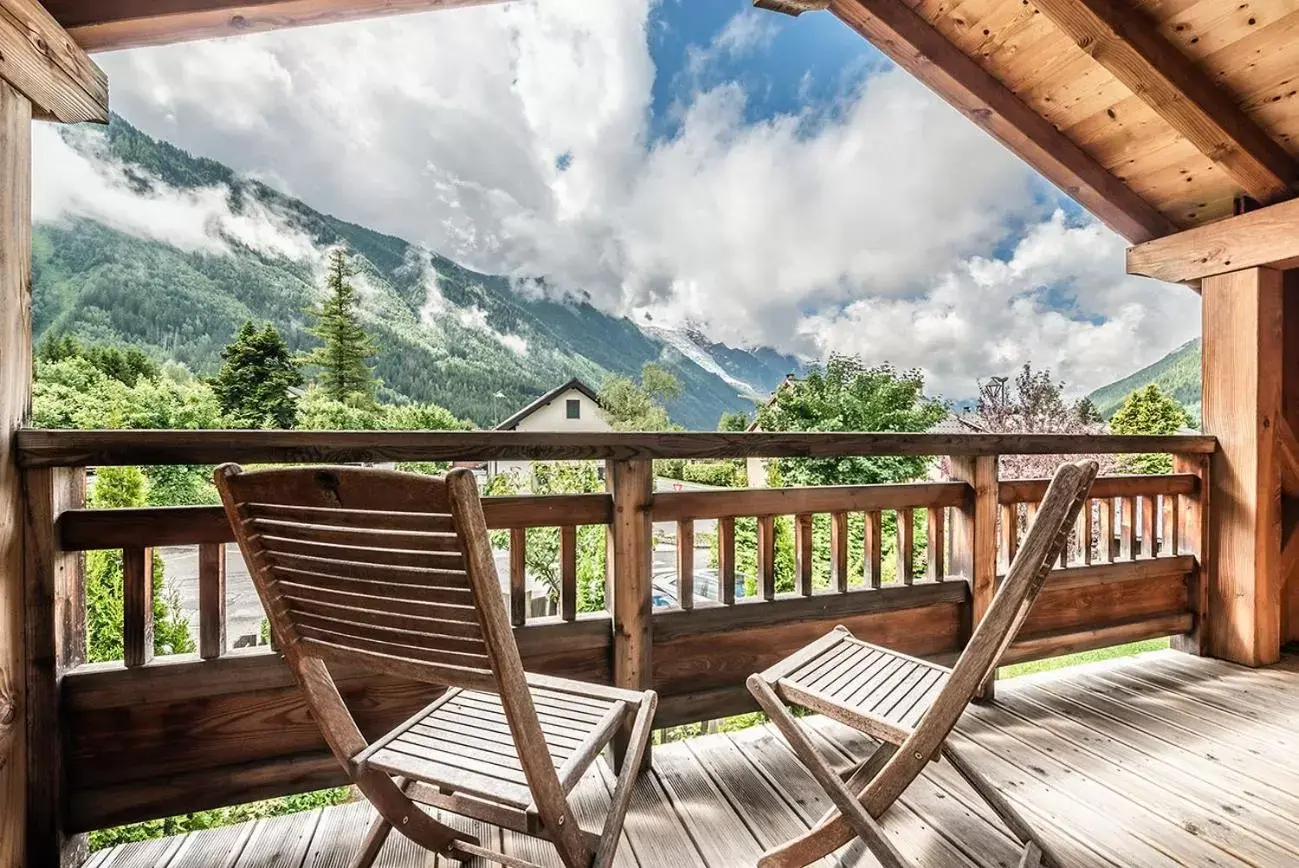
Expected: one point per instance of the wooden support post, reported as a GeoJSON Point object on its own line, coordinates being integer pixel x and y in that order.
{"type": "Point", "coordinates": [872, 543]}
{"type": "Point", "coordinates": [1242, 370]}
{"type": "Point", "coordinates": [1192, 534]}
{"type": "Point", "coordinates": [906, 545]}
{"type": "Point", "coordinates": [686, 564]}
{"type": "Point", "coordinates": [568, 572]}
{"type": "Point", "coordinates": [767, 557]}
{"type": "Point", "coordinates": [726, 559]}
{"type": "Point", "coordinates": [839, 551]}
{"type": "Point", "coordinates": [15, 402]}
{"type": "Point", "coordinates": [518, 576]}
{"type": "Point", "coordinates": [974, 537]}
{"type": "Point", "coordinates": [55, 628]}
{"type": "Point", "coordinates": [631, 484]}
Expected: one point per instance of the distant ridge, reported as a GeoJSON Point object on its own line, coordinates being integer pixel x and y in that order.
{"type": "Point", "coordinates": [1177, 373]}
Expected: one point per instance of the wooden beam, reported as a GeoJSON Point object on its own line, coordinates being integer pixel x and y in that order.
{"type": "Point", "coordinates": [921, 50]}
{"type": "Point", "coordinates": [104, 25]}
{"type": "Point", "coordinates": [1242, 405]}
{"type": "Point", "coordinates": [15, 402]}
{"type": "Point", "coordinates": [39, 448]}
{"type": "Point", "coordinates": [1121, 39]}
{"type": "Point", "coordinates": [1268, 237]}
{"type": "Point", "coordinates": [974, 537]}
{"type": "Point", "coordinates": [40, 59]}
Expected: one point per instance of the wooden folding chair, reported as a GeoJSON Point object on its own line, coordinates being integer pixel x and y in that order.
{"type": "Point", "coordinates": [911, 705]}
{"type": "Point", "coordinates": [393, 572]}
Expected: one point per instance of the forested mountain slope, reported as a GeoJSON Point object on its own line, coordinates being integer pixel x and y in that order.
{"type": "Point", "coordinates": [445, 333]}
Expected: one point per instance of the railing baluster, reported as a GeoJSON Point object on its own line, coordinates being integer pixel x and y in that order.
{"type": "Point", "coordinates": [686, 564]}
{"type": "Point", "coordinates": [137, 606]}
{"type": "Point", "coordinates": [518, 576]}
{"type": "Point", "coordinates": [726, 559]}
{"type": "Point", "coordinates": [1149, 545]}
{"type": "Point", "coordinates": [906, 545]}
{"type": "Point", "coordinates": [935, 541]}
{"type": "Point", "coordinates": [767, 556]}
{"type": "Point", "coordinates": [1128, 532]}
{"type": "Point", "coordinates": [1009, 532]}
{"type": "Point", "coordinates": [803, 553]}
{"type": "Point", "coordinates": [1086, 524]}
{"type": "Point", "coordinates": [211, 600]}
{"type": "Point", "coordinates": [1105, 544]}
{"type": "Point", "coordinates": [568, 571]}
{"type": "Point", "coordinates": [872, 542]}
{"type": "Point", "coordinates": [839, 551]}
{"type": "Point", "coordinates": [1172, 525]}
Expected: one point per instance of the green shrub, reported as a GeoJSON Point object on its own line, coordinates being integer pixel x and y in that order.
{"type": "Point", "coordinates": [723, 474]}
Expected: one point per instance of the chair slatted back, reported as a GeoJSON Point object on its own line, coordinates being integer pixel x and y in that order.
{"type": "Point", "coordinates": [1025, 579]}
{"type": "Point", "coordinates": [366, 567]}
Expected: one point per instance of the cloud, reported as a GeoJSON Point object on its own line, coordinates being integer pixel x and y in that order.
{"type": "Point", "coordinates": [1060, 300]}
{"type": "Point", "coordinates": [84, 182]}
{"type": "Point", "coordinates": [515, 139]}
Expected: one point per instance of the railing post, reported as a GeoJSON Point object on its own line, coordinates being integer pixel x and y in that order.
{"type": "Point", "coordinates": [55, 632]}
{"type": "Point", "coordinates": [631, 563]}
{"type": "Point", "coordinates": [1193, 539]}
{"type": "Point", "coordinates": [974, 536]}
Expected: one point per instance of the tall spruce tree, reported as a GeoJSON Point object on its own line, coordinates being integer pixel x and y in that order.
{"type": "Point", "coordinates": [258, 374]}
{"type": "Point", "coordinates": [343, 360]}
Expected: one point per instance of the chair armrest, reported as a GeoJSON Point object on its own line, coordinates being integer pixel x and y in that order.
{"type": "Point", "coordinates": [585, 688]}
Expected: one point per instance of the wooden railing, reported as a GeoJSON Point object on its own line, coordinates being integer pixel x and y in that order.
{"type": "Point", "coordinates": [144, 737]}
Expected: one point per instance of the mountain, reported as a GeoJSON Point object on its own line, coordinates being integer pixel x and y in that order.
{"type": "Point", "coordinates": [1177, 373]}
{"type": "Point", "coordinates": [445, 333]}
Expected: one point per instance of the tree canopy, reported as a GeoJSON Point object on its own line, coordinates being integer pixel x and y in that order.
{"type": "Point", "coordinates": [1149, 411]}
{"type": "Point", "coordinates": [629, 405]}
{"type": "Point", "coordinates": [257, 378]}
{"type": "Point", "coordinates": [343, 359]}
{"type": "Point", "coordinates": [846, 394]}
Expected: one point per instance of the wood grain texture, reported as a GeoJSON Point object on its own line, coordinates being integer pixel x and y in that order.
{"type": "Point", "coordinates": [913, 43]}
{"type": "Point", "coordinates": [1266, 237]}
{"type": "Point", "coordinates": [211, 600]}
{"type": "Point", "coordinates": [1242, 401]}
{"type": "Point", "coordinates": [631, 555]}
{"type": "Point", "coordinates": [135, 23]}
{"type": "Point", "coordinates": [137, 606]}
{"type": "Point", "coordinates": [1124, 41]}
{"type": "Point", "coordinates": [1012, 491]}
{"type": "Point", "coordinates": [1193, 528]}
{"type": "Point", "coordinates": [15, 404]}
{"type": "Point", "coordinates": [974, 538]}
{"type": "Point", "coordinates": [37, 447]}
{"type": "Point", "coordinates": [40, 60]}
{"type": "Point", "coordinates": [55, 625]}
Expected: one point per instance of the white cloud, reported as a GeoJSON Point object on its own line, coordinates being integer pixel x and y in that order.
{"type": "Point", "coordinates": [474, 317]}
{"type": "Point", "coordinates": [67, 183]}
{"type": "Point", "coordinates": [988, 316]}
{"type": "Point", "coordinates": [515, 139]}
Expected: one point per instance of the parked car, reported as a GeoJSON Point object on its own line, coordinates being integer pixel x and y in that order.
{"type": "Point", "coordinates": [707, 587]}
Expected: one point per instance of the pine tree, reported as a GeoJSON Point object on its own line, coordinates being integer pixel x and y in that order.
{"type": "Point", "coordinates": [256, 380]}
{"type": "Point", "coordinates": [345, 372]}
{"type": "Point", "coordinates": [1149, 411]}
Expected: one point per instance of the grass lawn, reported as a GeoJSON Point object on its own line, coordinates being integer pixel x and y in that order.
{"type": "Point", "coordinates": [1083, 657]}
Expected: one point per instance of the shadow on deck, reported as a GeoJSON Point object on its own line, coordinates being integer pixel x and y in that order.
{"type": "Point", "coordinates": [1162, 759]}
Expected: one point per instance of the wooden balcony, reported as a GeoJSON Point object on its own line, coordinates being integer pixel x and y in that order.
{"type": "Point", "coordinates": [146, 737]}
{"type": "Point", "coordinates": [1155, 760]}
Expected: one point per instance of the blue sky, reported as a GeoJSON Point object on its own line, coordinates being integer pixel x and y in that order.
{"type": "Point", "coordinates": [770, 180]}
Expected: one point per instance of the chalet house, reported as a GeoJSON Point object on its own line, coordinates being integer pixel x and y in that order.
{"type": "Point", "coordinates": [571, 407]}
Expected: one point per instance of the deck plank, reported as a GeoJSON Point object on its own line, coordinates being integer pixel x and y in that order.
{"type": "Point", "coordinates": [1156, 760]}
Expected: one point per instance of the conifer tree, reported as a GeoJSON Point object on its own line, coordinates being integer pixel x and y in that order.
{"type": "Point", "coordinates": [256, 380]}
{"type": "Point", "coordinates": [343, 360]}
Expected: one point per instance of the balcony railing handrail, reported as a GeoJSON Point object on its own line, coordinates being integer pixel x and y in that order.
{"type": "Point", "coordinates": [77, 448]}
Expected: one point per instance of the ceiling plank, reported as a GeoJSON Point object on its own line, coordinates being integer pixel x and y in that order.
{"type": "Point", "coordinates": [105, 25]}
{"type": "Point", "coordinates": [44, 64]}
{"type": "Point", "coordinates": [917, 47]}
{"type": "Point", "coordinates": [1266, 237]}
{"type": "Point", "coordinates": [1121, 39]}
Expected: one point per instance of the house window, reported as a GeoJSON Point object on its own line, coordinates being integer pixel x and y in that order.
{"type": "Point", "coordinates": [574, 408]}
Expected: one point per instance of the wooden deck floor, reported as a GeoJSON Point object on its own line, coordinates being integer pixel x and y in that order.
{"type": "Point", "coordinates": [1162, 759]}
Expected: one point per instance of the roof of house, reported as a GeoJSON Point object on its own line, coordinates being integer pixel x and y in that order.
{"type": "Point", "coordinates": [513, 421]}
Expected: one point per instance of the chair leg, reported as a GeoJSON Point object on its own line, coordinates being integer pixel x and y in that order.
{"type": "Point", "coordinates": [637, 742]}
{"type": "Point", "coordinates": [1036, 851]}
{"type": "Point", "coordinates": [828, 837]}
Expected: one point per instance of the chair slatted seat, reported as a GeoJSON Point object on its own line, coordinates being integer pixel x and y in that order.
{"type": "Point", "coordinates": [911, 705]}
{"type": "Point", "coordinates": [394, 572]}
